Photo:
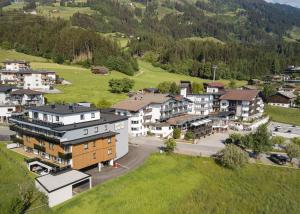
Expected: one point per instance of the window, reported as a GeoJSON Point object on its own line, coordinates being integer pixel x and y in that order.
{"type": "Point", "coordinates": [57, 118]}
{"type": "Point", "coordinates": [10, 110]}
{"type": "Point", "coordinates": [82, 117]}
{"type": "Point", "coordinates": [109, 140]}
{"type": "Point", "coordinates": [86, 146]}
{"type": "Point", "coordinates": [93, 115]}
{"type": "Point", "coordinates": [94, 155]}
{"type": "Point", "coordinates": [45, 117]}
{"type": "Point", "coordinates": [109, 151]}
{"type": "Point", "coordinates": [96, 129]}
{"type": "Point", "coordinates": [134, 122]}
{"type": "Point", "coordinates": [134, 129]}
{"type": "Point", "coordinates": [94, 144]}
{"type": "Point", "coordinates": [35, 115]}
{"type": "Point", "coordinates": [85, 131]}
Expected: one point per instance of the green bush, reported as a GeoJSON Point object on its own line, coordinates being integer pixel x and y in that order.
{"type": "Point", "coordinates": [121, 85]}
{"type": "Point", "coordinates": [170, 145]}
{"type": "Point", "coordinates": [232, 157]}
{"type": "Point", "coordinates": [189, 135]}
{"type": "Point", "coordinates": [176, 133]}
{"type": "Point", "coordinates": [293, 151]}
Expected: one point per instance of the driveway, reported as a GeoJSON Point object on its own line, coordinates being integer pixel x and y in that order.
{"type": "Point", "coordinates": [135, 158]}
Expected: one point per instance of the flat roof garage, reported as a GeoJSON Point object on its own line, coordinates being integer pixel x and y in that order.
{"type": "Point", "coordinates": [59, 186]}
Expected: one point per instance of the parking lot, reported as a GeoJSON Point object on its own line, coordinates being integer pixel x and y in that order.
{"type": "Point", "coordinates": [284, 130]}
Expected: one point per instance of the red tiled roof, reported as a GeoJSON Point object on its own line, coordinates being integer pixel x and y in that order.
{"type": "Point", "coordinates": [242, 95]}
{"type": "Point", "coordinates": [215, 84]}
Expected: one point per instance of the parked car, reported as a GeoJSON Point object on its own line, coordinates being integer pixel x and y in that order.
{"type": "Point", "coordinates": [278, 159]}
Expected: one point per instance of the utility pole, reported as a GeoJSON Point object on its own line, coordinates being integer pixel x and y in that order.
{"type": "Point", "coordinates": [214, 67]}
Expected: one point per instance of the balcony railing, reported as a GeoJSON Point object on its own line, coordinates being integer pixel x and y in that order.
{"type": "Point", "coordinates": [23, 118]}
{"type": "Point", "coordinates": [65, 156]}
{"type": "Point", "coordinates": [39, 147]}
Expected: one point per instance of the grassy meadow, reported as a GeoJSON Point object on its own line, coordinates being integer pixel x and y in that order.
{"type": "Point", "coordinates": [14, 173]}
{"type": "Point", "coordinates": [283, 115]}
{"type": "Point", "coordinates": [182, 184]}
{"type": "Point", "coordinates": [86, 86]}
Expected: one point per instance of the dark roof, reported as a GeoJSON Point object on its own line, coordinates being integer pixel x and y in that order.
{"type": "Point", "coordinates": [242, 95]}
{"type": "Point", "coordinates": [90, 138]}
{"type": "Point", "coordinates": [25, 91]}
{"type": "Point", "coordinates": [215, 84]}
{"type": "Point", "coordinates": [27, 71]}
{"type": "Point", "coordinates": [6, 88]}
{"type": "Point", "coordinates": [63, 109]}
{"type": "Point", "coordinates": [181, 119]}
{"type": "Point", "coordinates": [15, 61]}
{"type": "Point", "coordinates": [104, 119]}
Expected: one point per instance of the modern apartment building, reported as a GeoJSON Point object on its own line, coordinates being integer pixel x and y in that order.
{"type": "Point", "coordinates": [202, 104]}
{"type": "Point", "coordinates": [19, 73]}
{"type": "Point", "coordinates": [72, 135]}
{"type": "Point", "coordinates": [146, 109]}
{"type": "Point", "coordinates": [246, 104]}
{"type": "Point", "coordinates": [216, 89]}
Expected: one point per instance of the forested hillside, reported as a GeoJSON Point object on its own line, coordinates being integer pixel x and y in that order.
{"type": "Point", "coordinates": [245, 38]}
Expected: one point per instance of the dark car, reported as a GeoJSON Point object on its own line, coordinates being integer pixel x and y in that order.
{"type": "Point", "coordinates": [278, 159]}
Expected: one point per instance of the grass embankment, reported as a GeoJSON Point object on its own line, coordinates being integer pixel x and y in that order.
{"type": "Point", "coordinates": [283, 115]}
{"type": "Point", "coordinates": [13, 176]}
{"type": "Point", "coordinates": [182, 184]}
{"type": "Point", "coordinates": [93, 88]}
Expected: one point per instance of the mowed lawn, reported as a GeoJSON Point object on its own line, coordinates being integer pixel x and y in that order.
{"type": "Point", "coordinates": [283, 115]}
{"type": "Point", "coordinates": [93, 88]}
{"type": "Point", "coordinates": [13, 175]}
{"type": "Point", "coordinates": [182, 184]}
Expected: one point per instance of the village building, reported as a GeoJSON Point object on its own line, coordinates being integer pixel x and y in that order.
{"type": "Point", "coordinates": [146, 109]}
{"type": "Point", "coordinates": [202, 104]}
{"type": "Point", "coordinates": [27, 97]}
{"type": "Point", "coordinates": [71, 135]}
{"type": "Point", "coordinates": [217, 89]}
{"type": "Point", "coordinates": [18, 73]}
{"type": "Point", "coordinates": [287, 88]}
{"type": "Point", "coordinates": [246, 104]}
{"type": "Point", "coordinates": [283, 99]}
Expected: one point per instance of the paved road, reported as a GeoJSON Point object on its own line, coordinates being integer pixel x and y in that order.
{"type": "Point", "coordinates": [204, 147]}
{"type": "Point", "coordinates": [135, 157]}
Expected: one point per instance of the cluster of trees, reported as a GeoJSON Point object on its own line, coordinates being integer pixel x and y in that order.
{"type": "Point", "coordinates": [168, 87]}
{"type": "Point", "coordinates": [56, 39]}
{"type": "Point", "coordinates": [121, 85]}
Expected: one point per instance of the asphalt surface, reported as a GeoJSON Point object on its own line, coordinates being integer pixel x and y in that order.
{"type": "Point", "coordinates": [135, 158]}
{"type": "Point", "coordinates": [284, 130]}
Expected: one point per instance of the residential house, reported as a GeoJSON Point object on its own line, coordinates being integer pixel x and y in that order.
{"type": "Point", "coordinates": [146, 109]}
{"type": "Point", "coordinates": [217, 89]}
{"type": "Point", "coordinates": [16, 65]}
{"type": "Point", "coordinates": [246, 104]}
{"type": "Point", "coordinates": [27, 97]}
{"type": "Point", "coordinates": [72, 135]}
{"type": "Point", "coordinates": [283, 99]}
{"type": "Point", "coordinates": [202, 104]}
{"type": "Point", "coordinates": [19, 73]}
{"type": "Point", "coordinates": [287, 88]}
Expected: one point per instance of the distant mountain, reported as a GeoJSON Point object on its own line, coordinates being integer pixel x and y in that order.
{"type": "Point", "coordinates": [294, 3]}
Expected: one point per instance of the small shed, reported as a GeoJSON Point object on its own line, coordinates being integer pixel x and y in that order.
{"type": "Point", "coordinates": [99, 70]}
{"type": "Point", "coordinates": [60, 186]}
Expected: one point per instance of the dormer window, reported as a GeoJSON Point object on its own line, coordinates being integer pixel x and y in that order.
{"type": "Point", "coordinates": [82, 117]}
{"type": "Point", "coordinates": [35, 115]}
{"type": "Point", "coordinates": [57, 118]}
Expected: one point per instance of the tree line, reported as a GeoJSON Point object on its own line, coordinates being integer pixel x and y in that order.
{"type": "Point", "coordinates": [56, 39]}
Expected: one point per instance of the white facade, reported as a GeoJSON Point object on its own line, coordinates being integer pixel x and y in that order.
{"type": "Point", "coordinates": [284, 105]}
{"type": "Point", "coordinates": [212, 89]}
{"type": "Point", "coordinates": [35, 80]}
{"type": "Point", "coordinates": [162, 131]}
{"type": "Point", "coordinates": [64, 119]}
{"type": "Point", "coordinates": [6, 111]}
{"type": "Point", "coordinates": [16, 65]}
{"type": "Point", "coordinates": [202, 104]}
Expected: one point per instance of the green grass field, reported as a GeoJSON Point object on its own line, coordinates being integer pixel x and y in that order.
{"type": "Point", "coordinates": [283, 115]}
{"type": "Point", "coordinates": [14, 173]}
{"type": "Point", "coordinates": [93, 88]}
{"type": "Point", "coordinates": [182, 184]}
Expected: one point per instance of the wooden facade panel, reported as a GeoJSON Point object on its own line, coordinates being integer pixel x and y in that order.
{"type": "Point", "coordinates": [97, 151]}
{"type": "Point", "coordinates": [52, 149]}
{"type": "Point", "coordinates": [278, 99]}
